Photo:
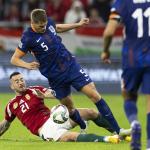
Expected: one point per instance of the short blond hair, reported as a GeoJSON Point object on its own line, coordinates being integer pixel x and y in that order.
{"type": "Point", "coordinates": [38, 15]}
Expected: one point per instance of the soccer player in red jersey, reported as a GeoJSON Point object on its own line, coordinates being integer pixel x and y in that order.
{"type": "Point", "coordinates": [28, 106]}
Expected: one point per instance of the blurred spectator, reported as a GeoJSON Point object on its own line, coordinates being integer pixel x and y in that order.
{"type": "Point", "coordinates": [103, 7]}
{"type": "Point", "coordinates": [56, 9]}
{"type": "Point", "coordinates": [12, 9]}
{"type": "Point", "coordinates": [1, 10]}
{"type": "Point", "coordinates": [2, 47]}
{"type": "Point", "coordinates": [59, 10]}
{"type": "Point", "coordinates": [86, 4]}
{"type": "Point", "coordinates": [28, 6]}
{"type": "Point", "coordinates": [95, 19]}
{"type": "Point", "coordinates": [13, 15]}
{"type": "Point", "coordinates": [75, 13]}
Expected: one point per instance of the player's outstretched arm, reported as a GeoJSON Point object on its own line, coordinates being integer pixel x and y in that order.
{"type": "Point", "coordinates": [16, 60]}
{"type": "Point", "coordinates": [48, 94]}
{"type": "Point", "coordinates": [107, 38]}
{"type": "Point", "coordinates": [4, 126]}
{"type": "Point", "coordinates": [66, 27]}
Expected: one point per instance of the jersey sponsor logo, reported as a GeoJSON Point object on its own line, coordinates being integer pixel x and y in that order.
{"type": "Point", "coordinates": [38, 39]}
{"type": "Point", "coordinates": [15, 105]}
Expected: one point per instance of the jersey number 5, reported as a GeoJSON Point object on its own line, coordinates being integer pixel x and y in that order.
{"type": "Point", "coordinates": [139, 15]}
{"type": "Point", "coordinates": [43, 45]}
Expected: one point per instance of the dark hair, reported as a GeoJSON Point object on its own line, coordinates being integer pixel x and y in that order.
{"type": "Point", "coordinates": [14, 74]}
{"type": "Point", "coordinates": [38, 15]}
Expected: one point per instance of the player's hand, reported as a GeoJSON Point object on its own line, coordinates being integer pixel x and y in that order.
{"type": "Point", "coordinates": [105, 56]}
{"type": "Point", "coordinates": [39, 94]}
{"type": "Point", "coordinates": [84, 21]}
{"type": "Point", "coordinates": [33, 65]}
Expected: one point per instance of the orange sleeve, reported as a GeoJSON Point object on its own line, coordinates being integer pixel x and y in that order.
{"type": "Point", "coordinates": [114, 15]}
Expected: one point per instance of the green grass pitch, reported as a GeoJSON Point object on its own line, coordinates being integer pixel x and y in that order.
{"type": "Point", "coordinates": [19, 138]}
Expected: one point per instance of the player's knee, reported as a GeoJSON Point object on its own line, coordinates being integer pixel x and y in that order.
{"type": "Point", "coordinates": [129, 95]}
{"type": "Point", "coordinates": [63, 139]}
{"type": "Point", "coordinates": [92, 114]}
{"type": "Point", "coordinates": [68, 136]}
{"type": "Point", "coordinates": [94, 96]}
{"type": "Point", "coordinates": [70, 107]}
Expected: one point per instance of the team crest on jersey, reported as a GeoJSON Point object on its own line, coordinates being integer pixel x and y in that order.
{"type": "Point", "coordinates": [15, 105]}
{"type": "Point", "coordinates": [27, 96]}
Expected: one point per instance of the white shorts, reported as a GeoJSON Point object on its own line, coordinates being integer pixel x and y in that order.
{"type": "Point", "coordinates": [53, 131]}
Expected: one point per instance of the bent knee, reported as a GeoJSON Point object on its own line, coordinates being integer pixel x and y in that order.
{"type": "Point", "coordinates": [129, 95]}
{"type": "Point", "coordinates": [68, 136]}
{"type": "Point", "coordinates": [94, 96]}
{"type": "Point", "coordinates": [92, 114]}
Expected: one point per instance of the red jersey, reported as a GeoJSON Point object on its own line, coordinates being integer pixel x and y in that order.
{"type": "Point", "coordinates": [29, 109]}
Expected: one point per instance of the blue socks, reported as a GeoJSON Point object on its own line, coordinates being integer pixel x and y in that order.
{"type": "Point", "coordinates": [107, 114]}
{"type": "Point", "coordinates": [148, 130]}
{"type": "Point", "coordinates": [75, 116]}
{"type": "Point", "coordinates": [130, 110]}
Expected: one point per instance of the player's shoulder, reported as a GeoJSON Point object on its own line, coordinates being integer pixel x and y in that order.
{"type": "Point", "coordinates": [27, 33]}
{"type": "Point", "coordinates": [35, 87]}
{"type": "Point", "coordinates": [121, 3]}
{"type": "Point", "coordinates": [124, 1]}
{"type": "Point", "coordinates": [131, 2]}
{"type": "Point", "coordinates": [51, 22]}
{"type": "Point", "coordinates": [39, 87]}
{"type": "Point", "coordinates": [12, 101]}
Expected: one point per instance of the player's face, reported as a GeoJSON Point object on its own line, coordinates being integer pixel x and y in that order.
{"type": "Point", "coordinates": [39, 27]}
{"type": "Point", "coordinates": [18, 83]}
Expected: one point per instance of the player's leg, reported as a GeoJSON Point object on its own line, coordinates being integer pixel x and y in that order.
{"type": "Point", "coordinates": [131, 80]}
{"type": "Point", "coordinates": [63, 92]}
{"type": "Point", "coordinates": [130, 107]}
{"type": "Point", "coordinates": [148, 121]}
{"type": "Point", "coordinates": [101, 105]}
{"type": "Point", "coordinates": [77, 137]}
{"type": "Point", "coordinates": [146, 91]}
{"type": "Point", "coordinates": [82, 82]}
{"type": "Point", "coordinates": [52, 131]}
{"type": "Point", "coordinates": [74, 114]}
{"type": "Point", "coordinates": [93, 115]}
